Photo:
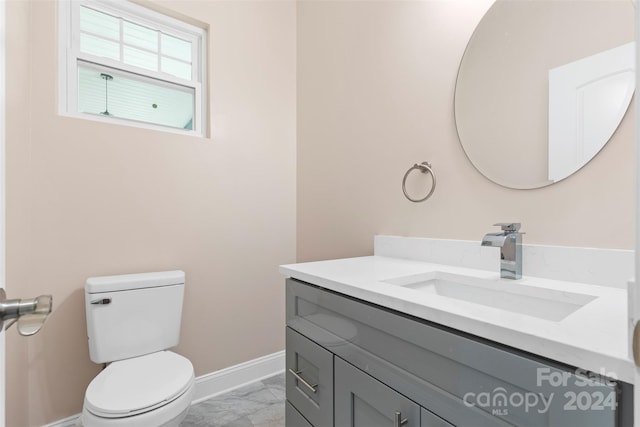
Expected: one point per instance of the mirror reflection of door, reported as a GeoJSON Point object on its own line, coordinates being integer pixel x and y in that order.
{"type": "Point", "coordinates": [587, 100]}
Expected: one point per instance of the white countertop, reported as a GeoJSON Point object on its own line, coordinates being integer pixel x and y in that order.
{"type": "Point", "coordinates": [594, 337]}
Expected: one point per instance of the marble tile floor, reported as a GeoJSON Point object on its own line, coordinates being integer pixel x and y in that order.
{"type": "Point", "coordinates": [259, 404]}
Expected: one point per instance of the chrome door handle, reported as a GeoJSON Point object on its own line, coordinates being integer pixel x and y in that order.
{"type": "Point", "coordinates": [296, 374]}
{"type": "Point", "coordinates": [636, 344]}
{"type": "Point", "coordinates": [397, 419]}
{"type": "Point", "coordinates": [29, 313]}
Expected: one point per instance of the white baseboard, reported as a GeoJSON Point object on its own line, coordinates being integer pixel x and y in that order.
{"type": "Point", "coordinates": [222, 381]}
{"type": "Point", "coordinates": [233, 377]}
{"type": "Point", "coordinates": [72, 421]}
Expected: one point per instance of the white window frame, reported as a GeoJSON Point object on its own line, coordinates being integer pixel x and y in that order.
{"type": "Point", "coordinates": [69, 55]}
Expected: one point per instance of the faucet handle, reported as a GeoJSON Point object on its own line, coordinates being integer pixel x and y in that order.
{"type": "Point", "coordinates": [509, 227]}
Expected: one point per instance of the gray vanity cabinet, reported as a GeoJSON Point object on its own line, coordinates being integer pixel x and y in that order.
{"type": "Point", "coordinates": [353, 363]}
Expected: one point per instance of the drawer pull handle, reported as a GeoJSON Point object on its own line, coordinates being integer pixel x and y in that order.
{"type": "Point", "coordinates": [313, 388]}
{"type": "Point", "coordinates": [397, 419]}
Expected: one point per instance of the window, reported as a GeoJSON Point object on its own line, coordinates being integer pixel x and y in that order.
{"type": "Point", "coordinates": [124, 63]}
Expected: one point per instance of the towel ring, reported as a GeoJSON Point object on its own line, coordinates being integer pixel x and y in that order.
{"type": "Point", "coordinates": [423, 167]}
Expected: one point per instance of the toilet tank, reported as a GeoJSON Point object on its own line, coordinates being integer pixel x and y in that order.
{"type": "Point", "coordinates": [133, 314]}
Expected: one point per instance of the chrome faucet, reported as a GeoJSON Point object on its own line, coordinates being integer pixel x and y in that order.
{"type": "Point", "coordinates": [510, 243]}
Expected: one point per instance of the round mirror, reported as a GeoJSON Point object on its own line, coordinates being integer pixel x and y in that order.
{"type": "Point", "coordinates": [542, 86]}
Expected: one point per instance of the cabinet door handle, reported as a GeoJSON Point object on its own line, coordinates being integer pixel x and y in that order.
{"type": "Point", "coordinates": [296, 374]}
{"type": "Point", "coordinates": [397, 419]}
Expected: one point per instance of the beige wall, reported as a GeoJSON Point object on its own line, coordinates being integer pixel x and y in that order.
{"type": "Point", "coordinates": [375, 95]}
{"type": "Point", "coordinates": [85, 199]}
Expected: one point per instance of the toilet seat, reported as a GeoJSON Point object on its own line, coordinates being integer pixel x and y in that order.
{"type": "Point", "coordinates": [141, 384]}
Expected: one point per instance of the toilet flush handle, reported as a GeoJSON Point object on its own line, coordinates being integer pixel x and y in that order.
{"type": "Point", "coordinates": [101, 301]}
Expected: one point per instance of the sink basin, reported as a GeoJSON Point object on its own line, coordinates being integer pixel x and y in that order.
{"type": "Point", "coordinates": [548, 304]}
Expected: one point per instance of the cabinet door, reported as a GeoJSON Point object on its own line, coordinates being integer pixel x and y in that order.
{"type": "Point", "coordinates": [363, 401]}
{"type": "Point", "coordinates": [310, 379]}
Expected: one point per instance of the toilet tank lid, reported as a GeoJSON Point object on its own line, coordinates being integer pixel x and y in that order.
{"type": "Point", "coordinates": [123, 282]}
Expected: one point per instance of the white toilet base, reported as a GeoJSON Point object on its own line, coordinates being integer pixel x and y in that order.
{"type": "Point", "coordinates": [169, 415]}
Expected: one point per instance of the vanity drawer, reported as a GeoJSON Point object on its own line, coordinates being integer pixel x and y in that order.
{"type": "Point", "coordinates": [309, 373]}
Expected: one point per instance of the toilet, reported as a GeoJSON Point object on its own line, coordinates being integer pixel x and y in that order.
{"type": "Point", "coordinates": [132, 321]}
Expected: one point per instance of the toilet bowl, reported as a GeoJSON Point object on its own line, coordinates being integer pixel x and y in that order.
{"type": "Point", "coordinates": [151, 390]}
